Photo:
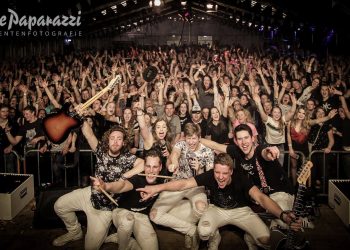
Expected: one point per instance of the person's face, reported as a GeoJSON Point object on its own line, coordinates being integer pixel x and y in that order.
{"type": "Point", "coordinates": [12, 113]}
{"type": "Point", "coordinates": [45, 99]}
{"type": "Point", "coordinates": [234, 92]}
{"type": "Point", "coordinates": [4, 113]}
{"type": "Point", "coordinates": [215, 115]}
{"type": "Point", "coordinates": [244, 141]}
{"type": "Point", "coordinates": [196, 116]}
{"type": "Point", "coordinates": [13, 102]}
{"type": "Point", "coordinates": [241, 117]}
{"type": "Point", "coordinates": [310, 105]}
{"type": "Point", "coordinates": [267, 107]}
{"type": "Point", "coordinates": [183, 108]}
{"type": "Point", "coordinates": [206, 82]}
{"type": "Point", "coordinates": [243, 100]}
{"type": "Point", "coordinates": [192, 142]}
{"type": "Point", "coordinates": [28, 115]}
{"type": "Point", "coordinates": [320, 113]}
{"type": "Point", "coordinates": [41, 114]}
{"type": "Point", "coordinates": [296, 85]}
{"type": "Point", "coordinates": [276, 114]}
{"type": "Point", "coordinates": [153, 166]}
{"type": "Point", "coordinates": [341, 113]}
{"type": "Point", "coordinates": [116, 142]}
{"type": "Point", "coordinates": [96, 105]}
{"type": "Point", "coordinates": [161, 130]}
{"type": "Point", "coordinates": [264, 99]}
{"type": "Point", "coordinates": [237, 105]}
{"type": "Point", "coordinates": [205, 113]}
{"type": "Point", "coordinates": [127, 115]}
{"type": "Point", "coordinates": [222, 175]}
{"type": "Point", "coordinates": [111, 108]}
{"type": "Point", "coordinates": [169, 110]}
{"type": "Point", "coordinates": [85, 95]}
{"type": "Point", "coordinates": [148, 103]}
{"type": "Point", "coordinates": [324, 91]}
{"type": "Point", "coordinates": [301, 114]}
{"type": "Point", "coordinates": [285, 99]}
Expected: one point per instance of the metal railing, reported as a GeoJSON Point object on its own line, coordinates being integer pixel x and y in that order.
{"type": "Point", "coordinates": [36, 151]}
{"type": "Point", "coordinates": [18, 161]}
{"type": "Point", "coordinates": [338, 153]}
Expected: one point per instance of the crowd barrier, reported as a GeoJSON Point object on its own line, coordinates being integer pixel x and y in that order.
{"type": "Point", "coordinates": [325, 163]}
{"type": "Point", "coordinates": [89, 152]}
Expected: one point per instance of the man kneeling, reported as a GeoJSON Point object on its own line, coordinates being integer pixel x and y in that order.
{"type": "Point", "coordinates": [229, 195]}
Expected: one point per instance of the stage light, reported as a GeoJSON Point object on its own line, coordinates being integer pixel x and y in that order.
{"type": "Point", "coordinates": [157, 3]}
{"type": "Point", "coordinates": [113, 7]}
{"type": "Point", "coordinates": [104, 12]}
{"type": "Point", "coordinates": [210, 6]}
{"type": "Point", "coordinates": [123, 3]}
{"type": "Point", "coordinates": [183, 3]}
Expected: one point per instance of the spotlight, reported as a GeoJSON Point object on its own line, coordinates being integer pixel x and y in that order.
{"type": "Point", "coordinates": [183, 3]}
{"type": "Point", "coordinates": [157, 3]}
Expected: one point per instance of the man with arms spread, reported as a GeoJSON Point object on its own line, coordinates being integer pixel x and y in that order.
{"type": "Point", "coordinates": [260, 165]}
{"type": "Point", "coordinates": [229, 194]}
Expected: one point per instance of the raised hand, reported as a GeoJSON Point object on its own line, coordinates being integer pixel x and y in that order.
{"type": "Point", "coordinates": [97, 183]}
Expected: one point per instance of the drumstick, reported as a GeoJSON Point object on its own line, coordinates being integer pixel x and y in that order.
{"type": "Point", "coordinates": [158, 176]}
{"type": "Point", "coordinates": [108, 196]}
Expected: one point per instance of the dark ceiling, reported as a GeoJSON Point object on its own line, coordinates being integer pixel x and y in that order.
{"type": "Point", "coordinates": [122, 15]}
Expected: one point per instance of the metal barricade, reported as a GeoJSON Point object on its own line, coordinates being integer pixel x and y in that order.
{"type": "Point", "coordinates": [299, 153]}
{"type": "Point", "coordinates": [38, 162]}
{"type": "Point", "coordinates": [18, 161]}
{"type": "Point", "coordinates": [324, 181]}
{"type": "Point", "coordinates": [52, 177]}
{"type": "Point", "coordinates": [91, 158]}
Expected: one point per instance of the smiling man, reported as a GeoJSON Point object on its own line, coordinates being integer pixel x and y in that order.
{"type": "Point", "coordinates": [132, 214]}
{"type": "Point", "coordinates": [188, 158]}
{"type": "Point", "coordinates": [230, 195]}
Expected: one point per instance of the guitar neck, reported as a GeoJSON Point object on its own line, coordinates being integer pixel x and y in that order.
{"type": "Point", "coordinates": [94, 98]}
{"type": "Point", "coordinates": [298, 209]}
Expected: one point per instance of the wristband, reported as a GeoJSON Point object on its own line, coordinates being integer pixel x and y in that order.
{"type": "Point", "coordinates": [281, 215]}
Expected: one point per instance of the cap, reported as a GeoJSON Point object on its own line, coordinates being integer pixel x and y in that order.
{"type": "Point", "coordinates": [196, 108]}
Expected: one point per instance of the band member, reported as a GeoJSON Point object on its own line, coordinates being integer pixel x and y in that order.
{"type": "Point", "coordinates": [187, 158]}
{"type": "Point", "coordinates": [113, 162]}
{"type": "Point", "coordinates": [258, 162]}
{"type": "Point", "coordinates": [230, 194]}
{"type": "Point", "coordinates": [132, 214]}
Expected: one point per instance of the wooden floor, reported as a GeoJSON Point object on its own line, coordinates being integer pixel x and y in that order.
{"type": "Point", "coordinates": [329, 234]}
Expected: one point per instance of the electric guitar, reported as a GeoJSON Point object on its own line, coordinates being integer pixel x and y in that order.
{"type": "Point", "coordinates": [286, 239]}
{"type": "Point", "coordinates": [57, 126]}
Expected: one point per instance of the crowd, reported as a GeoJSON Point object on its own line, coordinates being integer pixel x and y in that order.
{"type": "Point", "coordinates": [167, 99]}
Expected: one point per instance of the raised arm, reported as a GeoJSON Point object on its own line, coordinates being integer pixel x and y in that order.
{"type": "Point", "coordinates": [214, 145]}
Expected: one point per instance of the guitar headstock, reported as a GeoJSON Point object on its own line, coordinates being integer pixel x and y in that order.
{"type": "Point", "coordinates": [305, 173]}
{"type": "Point", "coordinates": [116, 80]}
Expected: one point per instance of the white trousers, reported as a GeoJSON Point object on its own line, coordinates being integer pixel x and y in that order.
{"type": "Point", "coordinates": [98, 221]}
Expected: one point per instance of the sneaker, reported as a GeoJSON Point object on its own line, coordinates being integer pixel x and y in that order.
{"type": "Point", "coordinates": [68, 237]}
{"type": "Point", "coordinates": [112, 238]}
{"type": "Point", "coordinates": [307, 223]}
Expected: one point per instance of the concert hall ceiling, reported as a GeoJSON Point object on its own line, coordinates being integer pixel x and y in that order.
{"type": "Point", "coordinates": [119, 16]}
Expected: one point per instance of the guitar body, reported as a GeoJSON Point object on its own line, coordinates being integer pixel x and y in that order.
{"type": "Point", "coordinates": [58, 126]}
{"type": "Point", "coordinates": [279, 241]}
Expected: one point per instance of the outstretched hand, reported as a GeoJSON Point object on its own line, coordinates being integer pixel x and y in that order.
{"type": "Point", "coordinates": [147, 192]}
{"type": "Point", "coordinates": [272, 153]}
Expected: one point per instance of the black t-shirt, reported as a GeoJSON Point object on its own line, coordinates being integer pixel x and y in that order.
{"type": "Point", "coordinates": [132, 200]}
{"type": "Point", "coordinates": [219, 132]}
{"type": "Point", "coordinates": [30, 131]}
{"type": "Point", "coordinates": [276, 178]}
{"type": "Point", "coordinates": [234, 195]}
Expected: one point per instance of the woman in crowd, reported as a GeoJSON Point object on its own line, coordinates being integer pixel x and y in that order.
{"type": "Point", "coordinates": [131, 126]}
